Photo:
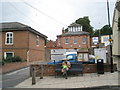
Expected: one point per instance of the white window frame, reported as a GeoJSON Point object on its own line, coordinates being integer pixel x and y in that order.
{"type": "Point", "coordinates": [8, 52]}
{"type": "Point", "coordinates": [37, 41]}
{"type": "Point", "coordinates": [75, 39]}
{"type": "Point", "coordinates": [66, 40]}
{"type": "Point", "coordinates": [85, 40]}
{"type": "Point", "coordinates": [9, 38]}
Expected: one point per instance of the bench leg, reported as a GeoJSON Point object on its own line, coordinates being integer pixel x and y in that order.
{"type": "Point", "coordinates": [81, 73]}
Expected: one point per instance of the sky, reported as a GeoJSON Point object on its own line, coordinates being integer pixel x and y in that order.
{"type": "Point", "coordinates": [50, 16]}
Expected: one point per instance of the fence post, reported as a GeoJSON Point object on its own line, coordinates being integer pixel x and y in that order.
{"type": "Point", "coordinates": [33, 75]}
{"type": "Point", "coordinates": [41, 67]}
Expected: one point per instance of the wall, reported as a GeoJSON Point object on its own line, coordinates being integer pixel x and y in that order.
{"type": "Point", "coordinates": [36, 53]}
{"type": "Point", "coordinates": [24, 45]}
{"type": "Point", "coordinates": [19, 40]}
{"type": "Point", "coordinates": [116, 37]}
{"type": "Point", "coordinates": [49, 70]}
{"type": "Point", "coordinates": [20, 44]}
{"type": "Point", "coordinates": [47, 54]}
{"type": "Point", "coordinates": [13, 66]}
{"type": "Point", "coordinates": [71, 42]}
{"type": "Point", "coordinates": [116, 33]}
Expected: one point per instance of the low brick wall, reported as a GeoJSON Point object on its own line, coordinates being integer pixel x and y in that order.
{"type": "Point", "coordinates": [12, 66]}
{"type": "Point", "coordinates": [49, 70]}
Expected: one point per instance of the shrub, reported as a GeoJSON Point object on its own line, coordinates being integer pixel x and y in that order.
{"type": "Point", "coordinates": [2, 62]}
{"type": "Point", "coordinates": [16, 59]}
{"type": "Point", "coordinates": [12, 59]}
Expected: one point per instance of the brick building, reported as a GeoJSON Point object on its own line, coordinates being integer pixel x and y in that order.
{"type": "Point", "coordinates": [75, 38]}
{"type": "Point", "coordinates": [21, 40]}
{"type": "Point", "coordinates": [71, 41]}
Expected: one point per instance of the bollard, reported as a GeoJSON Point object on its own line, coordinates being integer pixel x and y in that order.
{"type": "Point", "coordinates": [33, 75]}
{"type": "Point", "coordinates": [41, 67]}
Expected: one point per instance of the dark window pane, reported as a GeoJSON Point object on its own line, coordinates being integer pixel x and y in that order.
{"type": "Point", "coordinates": [7, 40]}
{"type": "Point", "coordinates": [9, 55]}
{"type": "Point", "coordinates": [84, 40]}
{"type": "Point", "coordinates": [7, 35]}
{"type": "Point", "coordinates": [11, 34]}
{"type": "Point", "coordinates": [11, 40]}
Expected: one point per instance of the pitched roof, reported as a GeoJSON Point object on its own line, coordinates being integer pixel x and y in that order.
{"type": "Point", "coordinates": [16, 26]}
{"type": "Point", "coordinates": [74, 24]}
{"type": "Point", "coordinates": [74, 33]}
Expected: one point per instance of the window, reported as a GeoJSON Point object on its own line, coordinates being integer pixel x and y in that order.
{"type": "Point", "coordinates": [66, 40]}
{"type": "Point", "coordinates": [8, 54]}
{"type": "Point", "coordinates": [83, 40]}
{"type": "Point", "coordinates": [69, 57]}
{"type": "Point", "coordinates": [9, 38]}
{"type": "Point", "coordinates": [75, 40]}
{"type": "Point", "coordinates": [37, 40]}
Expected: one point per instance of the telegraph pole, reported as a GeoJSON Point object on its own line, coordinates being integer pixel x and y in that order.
{"type": "Point", "coordinates": [110, 39]}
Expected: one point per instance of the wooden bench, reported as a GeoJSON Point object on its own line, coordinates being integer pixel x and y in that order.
{"type": "Point", "coordinates": [75, 68]}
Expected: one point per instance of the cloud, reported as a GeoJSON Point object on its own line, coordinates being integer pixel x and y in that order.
{"type": "Point", "coordinates": [52, 15]}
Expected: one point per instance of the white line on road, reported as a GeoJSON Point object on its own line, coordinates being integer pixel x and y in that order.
{"type": "Point", "coordinates": [14, 72]}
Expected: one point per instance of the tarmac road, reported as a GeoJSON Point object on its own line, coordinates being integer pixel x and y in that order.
{"type": "Point", "coordinates": [11, 79]}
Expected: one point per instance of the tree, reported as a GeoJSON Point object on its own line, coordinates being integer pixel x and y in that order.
{"type": "Point", "coordinates": [96, 32]}
{"type": "Point", "coordinates": [85, 22]}
{"type": "Point", "coordinates": [106, 30]}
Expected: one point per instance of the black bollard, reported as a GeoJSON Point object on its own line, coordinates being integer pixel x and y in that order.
{"type": "Point", "coordinates": [33, 76]}
{"type": "Point", "coordinates": [41, 67]}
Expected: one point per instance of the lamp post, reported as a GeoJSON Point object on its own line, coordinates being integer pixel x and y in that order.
{"type": "Point", "coordinates": [110, 40]}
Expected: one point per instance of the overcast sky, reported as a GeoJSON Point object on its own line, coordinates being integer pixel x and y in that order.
{"type": "Point", "coordinates": [50, 16]}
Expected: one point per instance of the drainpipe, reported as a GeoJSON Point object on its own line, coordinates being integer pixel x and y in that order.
{"type": "Point", "coordinates": [28, 49]}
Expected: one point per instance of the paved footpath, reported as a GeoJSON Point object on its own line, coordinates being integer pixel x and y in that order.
{"type": "Point", "coordinates": [85, 81]}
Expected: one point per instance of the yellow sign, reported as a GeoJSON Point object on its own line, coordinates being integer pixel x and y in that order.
{"type": "Point", "coordinates": [96, 57]}
{"type": "Point", "coordinates": [110, 40]}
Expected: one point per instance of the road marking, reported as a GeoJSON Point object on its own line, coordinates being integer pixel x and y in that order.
{"type": "Point", "coordinates": [14, 72]}
{"type": "Point", "coordinates": [13, 79]}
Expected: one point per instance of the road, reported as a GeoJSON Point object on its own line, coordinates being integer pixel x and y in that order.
{"type": "Point", "coordinates": [10, 80]}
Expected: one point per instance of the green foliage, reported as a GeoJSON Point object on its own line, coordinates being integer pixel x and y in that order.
{"type": "Point", "coordinates": [105, 30]}
{"type": "Point", "coordinates": [85, 22]}
{"type": "Point", "coordinates": [2, 62]}
{"type": "Point", "coordinates": [66, 30]}
{"type": "Point", "coordinates": [96, 32]}
{"type": "Point", "coordinates": [16, 59]}
{"type": "Point", "coordinates": [119, 23]}
{"type": "Point", "coordinates": [12, 59]}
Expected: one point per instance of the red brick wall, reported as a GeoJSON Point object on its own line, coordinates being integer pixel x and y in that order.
{"type": "Point", "coordinates": [71, 42]}
{"type": "Point", "coordinates": [87, 68]}
{"type": "Point", "coordinates": [20, 40]}
{"type": "Point", "coordinates": [13, 66]}
{"type": "Point", "coordinates": [17, 52]}
{"type": "Point", "coordinates": [20, 44]}
{"type": "Point", "coordinates": [36, 53]}
{"type": "Point", "coordinates": [24, 41]}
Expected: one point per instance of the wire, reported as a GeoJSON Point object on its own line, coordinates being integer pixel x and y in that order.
{"type": "Point", "coordinates": [43, 13]}
{"type": "Point", "coordinates": [23, 13]}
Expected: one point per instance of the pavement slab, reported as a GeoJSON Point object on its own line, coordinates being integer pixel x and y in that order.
{"type": "Point", "coordinates": [78, 81]}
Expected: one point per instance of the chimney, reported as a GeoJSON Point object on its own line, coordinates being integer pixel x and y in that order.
{"type": "Point", "coordinates": [63, 31]}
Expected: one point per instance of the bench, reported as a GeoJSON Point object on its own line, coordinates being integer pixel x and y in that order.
{"type": "Point", "coordinates": [75, 68]}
